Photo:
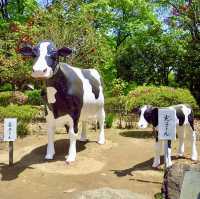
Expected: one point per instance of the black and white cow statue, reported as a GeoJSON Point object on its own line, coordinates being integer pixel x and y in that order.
{"type": "Point", "coordinates": [184, 120]}
{"type": "Point", "coordinates": [72, 94]}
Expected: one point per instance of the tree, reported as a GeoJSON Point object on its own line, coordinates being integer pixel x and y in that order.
{"type": "Point", "coordinates": [184, 18]}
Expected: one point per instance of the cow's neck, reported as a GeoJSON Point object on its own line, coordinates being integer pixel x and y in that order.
{"type": "Point", "coordinates": [57, 76]}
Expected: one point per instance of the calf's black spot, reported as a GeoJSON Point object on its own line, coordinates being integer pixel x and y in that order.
{"type": "Point", "coordinates": [180, 115]}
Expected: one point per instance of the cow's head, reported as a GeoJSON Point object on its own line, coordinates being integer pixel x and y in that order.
{"type": "Point", "coordinates": [148, 115]}
{"type": "Point", "coordinates": [46, 58]}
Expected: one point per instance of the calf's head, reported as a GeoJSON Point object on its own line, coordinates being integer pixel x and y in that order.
{"type": "Point", "coordinates": [148, 115]}
{"type": "Point", "coordinates": [46, 58]}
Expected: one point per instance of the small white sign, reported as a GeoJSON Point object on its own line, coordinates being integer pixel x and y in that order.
{"type": "Point", "coordinates": [166, 124]}
{"type": "Point", "coordinates": [10, 129]}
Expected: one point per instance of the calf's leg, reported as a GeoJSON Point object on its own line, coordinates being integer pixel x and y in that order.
{"type": "Point", "coordinates": [181, 135]}
{"type": "Point", "coordinates": [168, 161]}
{"type": "Point", "coordinates": [158, 145]}
{"type": "Point", "coordinates": [194, 155]}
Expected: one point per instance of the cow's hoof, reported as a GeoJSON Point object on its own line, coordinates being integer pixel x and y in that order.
{"type": "Point", "coordinates": [49, 157]}
{"type": "Point", "coordinates": [156, 165]}
{"type": "Point", "coordinates": [70, 159]}
{"type": "Point", "coordinates": [101, 142]}
{"type": "Point", "coordinates": [169, 164]}
{"type": "Point", "coordinates": [194, 158]}
{"type": "Point", "coordinates": [181, 156]}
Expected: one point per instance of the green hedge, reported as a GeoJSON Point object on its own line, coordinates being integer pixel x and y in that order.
{"type": "Point", "coordinates": [24, 115]}
{"type": "Point", "coordinates": [159, 96]}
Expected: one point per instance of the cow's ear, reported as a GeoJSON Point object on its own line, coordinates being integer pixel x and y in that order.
{"type": "Point", "coordinates": [26, 51]}
{"type": "Point", "coordinates": [64, 51]}
{"type": "Point", "coordinates": [154, 116]}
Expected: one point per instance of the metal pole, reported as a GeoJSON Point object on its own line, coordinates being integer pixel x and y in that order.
{"type": "Point", "coordinates": [10, 153]}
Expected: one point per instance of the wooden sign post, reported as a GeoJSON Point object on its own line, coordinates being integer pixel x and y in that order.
{"type": "Point", "coordinates": [10, 135]}
{"type": "Point", "coordinates": [166, 127]}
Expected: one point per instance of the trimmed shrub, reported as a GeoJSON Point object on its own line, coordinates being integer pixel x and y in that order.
{"type": "Point", "coordinates": [159, 96]}
{"type": "Point", "coordinates": [34, 97]}
{"type": "Point", "coordinates": [24, 115]}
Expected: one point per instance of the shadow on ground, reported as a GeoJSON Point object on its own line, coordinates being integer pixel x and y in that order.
{"type": "Point", "coordinates": [36, 156]}
{"type": "Point", "coordinates": [137, 134]}
{"type": "Point", "coordinates": [147, 165]}
{"type": "Point", "coordinates": [138, 167]}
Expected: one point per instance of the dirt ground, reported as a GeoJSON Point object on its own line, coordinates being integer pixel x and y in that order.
{"type": "Point", "coordinates": [124, 162]}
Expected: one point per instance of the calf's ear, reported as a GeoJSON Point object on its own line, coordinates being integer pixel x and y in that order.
{"type": "Point", "coordinates": [26, 51]}
{"type": "Point", "coordinates": [64, 51]}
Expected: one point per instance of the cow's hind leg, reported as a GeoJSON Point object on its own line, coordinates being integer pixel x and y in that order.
{"type": "Point", "coordinates": [101, 119]}
{"type": "Point", "coordinates": [181, 135]}
{"type": "Point", "coordinates": [83, 137]}
{"type": "Point", "coordinates": [50, 147]}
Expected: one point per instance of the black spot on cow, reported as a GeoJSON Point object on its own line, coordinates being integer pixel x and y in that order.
{"type": "Point", "coordinates": [93, 82]}
{"type": "Point", "coordinates": [191, 120]}
{"type": "Point", "coordinates": [155, 116]}
{"type": "Point", "coordinates": [151, 115]}
{"type": "Point", "coordinates": [69, 95]}
{"type": "Point", "coordinates": [180, 115]}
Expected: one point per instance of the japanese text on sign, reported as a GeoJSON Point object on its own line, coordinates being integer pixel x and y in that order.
{"type": "Point", "coordinates": [166, 124]}
{"type": "Point", "coordinates": [10, 129]}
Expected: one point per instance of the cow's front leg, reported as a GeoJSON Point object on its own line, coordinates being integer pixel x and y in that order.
{"type": "Point", "coordinates": [158, 144]}
{"type": "Point", "coordinates": [83, 137]}
{"type": "Point", "coordinates": [50, 147]}
{"type": "Point", "coordinates": [101, 120]}
{"type": "Point", "coordinates": [73, 130]}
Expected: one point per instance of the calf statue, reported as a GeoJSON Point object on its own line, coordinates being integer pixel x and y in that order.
{"type": "Point", "coordinates": [184, 120]}
{"type": "Point", "coordinates": [72, 94]}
